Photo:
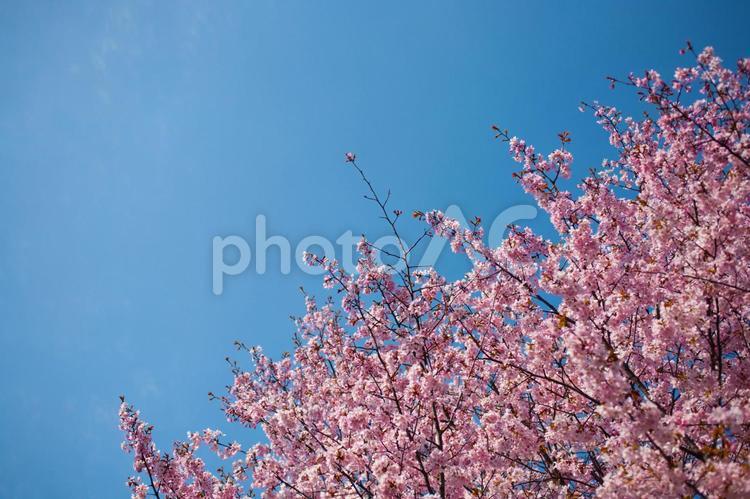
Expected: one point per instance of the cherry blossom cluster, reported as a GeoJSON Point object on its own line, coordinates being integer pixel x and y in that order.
{"type": "Point", "coordinates": [611, 360]}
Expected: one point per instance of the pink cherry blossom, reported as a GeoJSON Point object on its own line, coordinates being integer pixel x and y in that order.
{"type": "Point", "coordinates": [612, 360]}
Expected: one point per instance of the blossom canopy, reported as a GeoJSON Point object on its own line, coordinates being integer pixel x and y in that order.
{"type": "Point", "coordinates": [612, 360]}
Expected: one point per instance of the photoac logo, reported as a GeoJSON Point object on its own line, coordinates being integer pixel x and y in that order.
{"type": "Point", "coordinates": [346, 244]}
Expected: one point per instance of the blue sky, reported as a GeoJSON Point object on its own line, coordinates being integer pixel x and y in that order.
{"type": "Point", "coordinates": [131, 134]}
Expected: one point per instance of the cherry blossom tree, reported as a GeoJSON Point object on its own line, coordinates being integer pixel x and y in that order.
{"type": "Point", "coordinates": [612, 360]}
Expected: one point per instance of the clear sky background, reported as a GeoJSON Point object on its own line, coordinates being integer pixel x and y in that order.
{"type": "Point", "coordinates": [131, 134]}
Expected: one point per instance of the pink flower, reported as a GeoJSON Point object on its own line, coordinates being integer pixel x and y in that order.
{"type": "Point", "coordinates": [609, 359]}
